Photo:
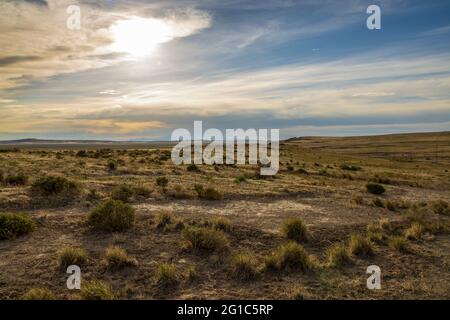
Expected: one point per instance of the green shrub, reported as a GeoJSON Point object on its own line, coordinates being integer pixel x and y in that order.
{"type": "Point", "coordinates": [15, 225]}
{"type": "Point", "coordinates": [72, 256]}
{"type": "Point", "coordinates": [142, 191]}
{"type": "Point", "coordinates": [338, 255]}
{"type": "Point", "coordinates": [360, 245]}
{"type": "Point", "coordinates": [244, 267]}
{"type": "Point", "coordinates": [398, 243]}
{"type": "Point", "coordinates": [112, 215]}
{"type": "Point", "coordinates": [294, 229]}
{"type": "Point", "coordinates": [117, 258]}
{"type": "Point", "coordinates": [166, 275]}
{"type": "Point", "coordinates": [290, 256]}
{"type": "Point", "coordinates": [16, 180]}
{"type": "Point", "coordinates": [375, 188]}
{"type": "Point", "coordinates": [162, 182]}
{"type": "Point", "coordinates": [240, 179]}
{"type": "Point", "coordinates": [122, 192]}
{"type": "Point", "coordinates": [205, 239]}
{"type": "Point", "coordinates": [39, 294]}
{"type": "Point", "coordinates": [96, 290]}
{"type": "Point", "coordinates": [112, 164]}
{"type": "Point", "coordinates": [53, 185]}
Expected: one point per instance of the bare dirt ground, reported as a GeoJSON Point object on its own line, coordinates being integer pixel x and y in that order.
{"type": "Point", "coordinates": [332, 201]}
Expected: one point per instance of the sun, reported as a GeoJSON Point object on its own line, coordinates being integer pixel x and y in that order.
{"type": "Point", "coordinates": [138, 36]}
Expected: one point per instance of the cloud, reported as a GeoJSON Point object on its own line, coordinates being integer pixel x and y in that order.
{"type": "Point", "coordinates": [37, 44]}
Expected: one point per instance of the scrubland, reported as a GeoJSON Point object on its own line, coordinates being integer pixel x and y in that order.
{"type": "Point", "coordinates": [140, 227]}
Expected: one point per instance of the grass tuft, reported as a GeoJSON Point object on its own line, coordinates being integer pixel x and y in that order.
{"type": "Point", "coordinates": [244, 267]}
{"type": "Point", "coordinates": [295, 229]}
{"type": "Point", "coordinates": [72, 256]}
{"type": "Point", "coordinates": [96, 290]}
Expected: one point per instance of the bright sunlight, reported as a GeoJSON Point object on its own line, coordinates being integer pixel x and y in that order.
{"type": "Point", "coordinates": [139, 37]}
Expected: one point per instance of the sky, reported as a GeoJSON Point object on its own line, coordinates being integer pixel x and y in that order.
{"type": "Point", "coordinates": [137, 70]}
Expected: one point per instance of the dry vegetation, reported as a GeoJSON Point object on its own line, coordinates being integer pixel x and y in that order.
{"type": "Point", "coordinates": [142, 228]}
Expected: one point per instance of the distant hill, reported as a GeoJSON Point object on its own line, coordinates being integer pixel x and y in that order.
{"type": "Point", "coordinates": [49, 141]}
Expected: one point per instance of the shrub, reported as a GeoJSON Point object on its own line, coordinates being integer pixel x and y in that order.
{"type": "Point", "coordinates": [72, 256]}
{"type": "Point", "coordinates": [290, 256]}
{"type": "Point", "coordinates": [360, 245]}
{"type": "Point", "coordinates": [240, 179]}
{"type": "Point", "coordinates": [16, 180]}
{"type": "Point", "coordinates": [39, 294]}
{"type": "Point", "coordinates": [294, 229]}
{"type": "Point", "coordinates": [15, 225]}
{"type": "Point", "coordinates": [53, 185]}
{"type": "Point", "coordinates": [96, 290]}
{"type": "Point", "coordinates": [112, 164]}
{"type": "Point", "coordinates": [338, 255]}
{"type": "Point", "coordinates": [166, 275]}
{"type": "Point", "coordinates": [244, 267]}
{"type": "Point", "coordinates": [302, 171]}
{"type": "Point", "coordinates": [441, 207]}
{"type": "Point", "coordinates": [122, 192]}
{"type": "Point", "coordinates": [112, 215]}
{"type": "Point", "coordinates": [179, 192]}
{"type": "Point", "coordinates": [81, 153]}
{"type": "Point", "coordinates": [117, 258]}
{"type": "Point", "coordinates": [205, 239]}
{"type": "Point", "coordinates": [162, 182]}
{"type": "Point", "coordinates": [375, 188]}
{"type": "Point", "coordinates": [399, 243]}
{"type": "Point", "coordinates": [415, 231]}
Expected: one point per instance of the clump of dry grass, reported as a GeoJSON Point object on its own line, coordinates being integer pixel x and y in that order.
{"type": "Point", "coordinates": [39, 294]}
{"type": "Point", "coordinates": [19, 179]}
{"type": "Point", "coordinates": [295, 229]}
{"type": "Point", "coordinates": [205, 239]}
{"type": "Point", "coordinates": [399, 243]}
{"type": "Point", "coordinates": [13, 225]}
{"type": "Point", "coordinates": [112, 215]}
{"type": "Point", "coordinates": [415, 231]}
{"type": "Point", "coordinates": [72, 256]}
{"type": "Point", "coordinates": [164, 219]}
{"type": "Point", "coordinates": [290, 256]}
{"type": "Point", "coordinates": [360, 245]}
{"type": "Point", "coordinates": [166, 275]}
{"type": "Point", "coordinates": [96, 290]}
{"type": "Point", "coordinates": [338, 255]}
{"type": "Point", "coordinates": [244, 267]}
{"type": "Point", "coordinates": [377, 202]}
{"type": "Point", "coordinates": [117, 258]}
{"type": "Point", "coordinates": [208, 193]}
{"type": "Point", "coordinates": [162, 182]}
{"type": "Point", "coordinates": [220, 223]}
{"type": "Point", "coordinates": [299, 293]}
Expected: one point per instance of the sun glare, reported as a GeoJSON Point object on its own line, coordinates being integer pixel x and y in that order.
{"type": "Point", "coordinates": [139, 37]}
